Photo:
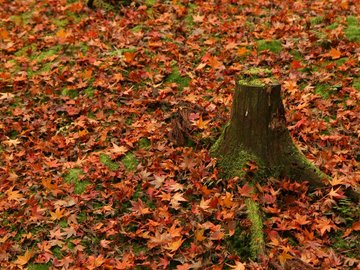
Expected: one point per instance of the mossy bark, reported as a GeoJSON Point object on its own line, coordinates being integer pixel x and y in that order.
{"type": "Point", "coordinates": [257, 132]}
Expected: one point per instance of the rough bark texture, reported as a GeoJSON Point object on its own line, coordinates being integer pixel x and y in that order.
{"type": "Point", "coordinates": [257, 131]}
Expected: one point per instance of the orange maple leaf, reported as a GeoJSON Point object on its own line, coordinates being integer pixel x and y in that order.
{"type": "Point", "coordinates": [334, 53]}
{"type": "Point", "coordinates": [174, 246]}
{"type": "Point", "coordinates": [283, 257]}
{"type": "Point", "coordinates": [199, 235]}
{"type": "Point", "coordinates": [14, 195]}
{"type": "Point", "coordinates": [58, 214]}
{"type": "Point", "coordinates": [238, 266]}
{"type": "Point", "coordinates": [214, 62]}
{"type": "Point", "coordinates": [24, 259]}
{"type": "Point", "coordinates": [241, 51]}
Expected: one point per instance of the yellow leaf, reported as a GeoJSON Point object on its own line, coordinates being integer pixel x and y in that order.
{"type": "Point", "coordinates": [58, 214]}
{"type": "Point", "coordinates": [174, 246]}
{"type": "Point", "coordinates": [334, 53]}
{"type": "Point", "coordinates": [14, 195]}
{"type": "Point", "coordinates": [87, 74]}
{"type": "Point", "coordinates": [199, 235]}
{"type": "Point", "coordinates": [24, 259]}
{"type": "Point", "coordinates": [241, 51]}
{"type": "Point", "coordinates": [283, 257]}
{"type": "Point", "coordinates": [4, 34]}
{"type": "Point", "coordinates": [201, 124]}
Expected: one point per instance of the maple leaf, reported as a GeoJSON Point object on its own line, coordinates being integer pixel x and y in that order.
{"type": "Point", "coordinates": [105, 243]}
{"type": "Point", "coordinates": [204, 204]}
{"type": "Point", "coordinates": [199, 235]}
{"type": "Point", "coordinates": [93, 263]}
{"type": "Point", "coordinates": [324, 225]}
{"type": "Point", "coordinates": [118, 150]}
{"type": "Point", "coordinates": [175, 199]}
{"type": "Point", "coordinates": [8, 96]}
{"type": "Point", "coordinates": [13, 142]}
{"type": "Point", "coordinates": [283, 257]}
{"type": "Point", "coordinates": [301, 219]}
{"type": "Point", "coordinates": [201, 124]}
{"type": "Point", "coordinates": [198, 18]}
{"type": "Point", "coordinates": [4, 34]}
{"type": "Point", "coordinates": [69, 232]}
{"type": "Point", "coordinates": [140, 208]}
{"type": "Point", "coordinates": [158, 180]}
{"type": "Point", "coordinates": [14, 195]}
{"type": "Point", "coordinates": [58, 214]}
{"type": "Point", "coordinates": [24, 259]}
{"type": "Point", "coordinates": [238, 266]}
{"type": "Point", "coordinates": [245, 190]}
{"type": "Point", "coordinates": [334, 53]}
{"type": "Point", "coordinates": [173, 246]}
{"type": "Point", "coordinates": [336, 194]}
{"type": "Point", "coordinates": [356, 226]}
{"type": "Point", "coordinates": [214, 62]}
{"type": "Point", "coordinates": [241, 51]}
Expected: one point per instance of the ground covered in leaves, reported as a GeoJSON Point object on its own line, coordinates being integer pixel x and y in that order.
{"type": "Point", "coordinates": [107, 117]}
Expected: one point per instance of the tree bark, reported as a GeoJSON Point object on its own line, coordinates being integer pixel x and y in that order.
{"type": "Point", "coordinates": [257, 132]}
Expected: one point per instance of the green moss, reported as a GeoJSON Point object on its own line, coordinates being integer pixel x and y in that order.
{"type": "Point", "coordinates": [257, 239]}
{"type": "Point", "coordinates": [107, 161]}
{"type": "Point", "coordinates": [72, 177]}
{"type": "Point", "coordinates": [137, 28]}
{"type": "Point", "coordinates": [80, 187]}
{"type": "Point", "coordinates": [297, 55]}
{"type": "Point", "coordinates": [69, 93]}
{"type": "Point", "coordinates": [323, 90]}
{"type": "Point", "coordinates": [38, 266]}
{"type": "Point", "coordinates": [271, 45]}
{"type": "Point", "coordinates": [60, 23]}
{"type": "Point", "coordinates": [239, 243]}
{"type": "Point", "coordinates": [175, 77]}
{"type": "Point", "coordinates": [352, 31]}
{"type": "Point", "coordinates": [332, 26]}
{"type": "Point", "coordinates": [23, 18]}
{"type": "Point", "coordinates": [63, 224]}
{"type": "Point", "coordinates": [257, 77]}
{"type": "Point", "coordinates": [47, 53]}
{"type": "Point", "coordinates": [356, 85]}
{"type": "Point", "coordinates": [316, 20]}
{"type": "Point", "coordinates": [89, 92]}
{"type": "Point", "coordinates": [150, 3]}
{"type": "Point", "coordinates": [130, 161]}
{"type": "Point", "coordinates": [258, 72]}
{"type": "Point", "coordinates": [144, 143]}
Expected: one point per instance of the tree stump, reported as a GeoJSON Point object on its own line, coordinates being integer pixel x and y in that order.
{"type": "Point", "coordinates": [257, 132]}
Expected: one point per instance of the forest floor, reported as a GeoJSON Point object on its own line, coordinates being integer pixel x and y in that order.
{"type": "Point", "coordinates": [107, 118]}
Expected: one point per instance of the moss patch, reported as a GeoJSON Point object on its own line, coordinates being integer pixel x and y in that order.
{"type": "Point", "coordinates": [107, 161]}
{"type": "Point", "coordinates": [271, 45]}
{"type": "Point", "coordinates": [72, 177]}
{"type": "Point", "coordinates": [257, 77]}
{"type": "Point", "coordinates": [144, 143]}
{"type": "Point", "coordinates": [175, 77]}
{"type": "Point", "coordinates": [38, 266]}
{"type": "Point", "coordinates": [130, 161]}
{"type": "Point", "coordinates": [352, 31]}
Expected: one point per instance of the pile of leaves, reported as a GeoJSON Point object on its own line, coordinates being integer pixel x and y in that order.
{"type": "Point", "coordinates": [106, 120]}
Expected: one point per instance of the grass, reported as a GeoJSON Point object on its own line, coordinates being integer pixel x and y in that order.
{"type": "Point", "coordinates": [107, 161]}
{"type": "Point", "coordinates": [130, 161]}
{"type": "Point", "coordinates": [175, 77]}
{"type": "Point", "coordinates": [72, 177]}
{"type": "Point", "coordinates": [271, 45]}
{"type": "Point", "coordinates": [352, 31]}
